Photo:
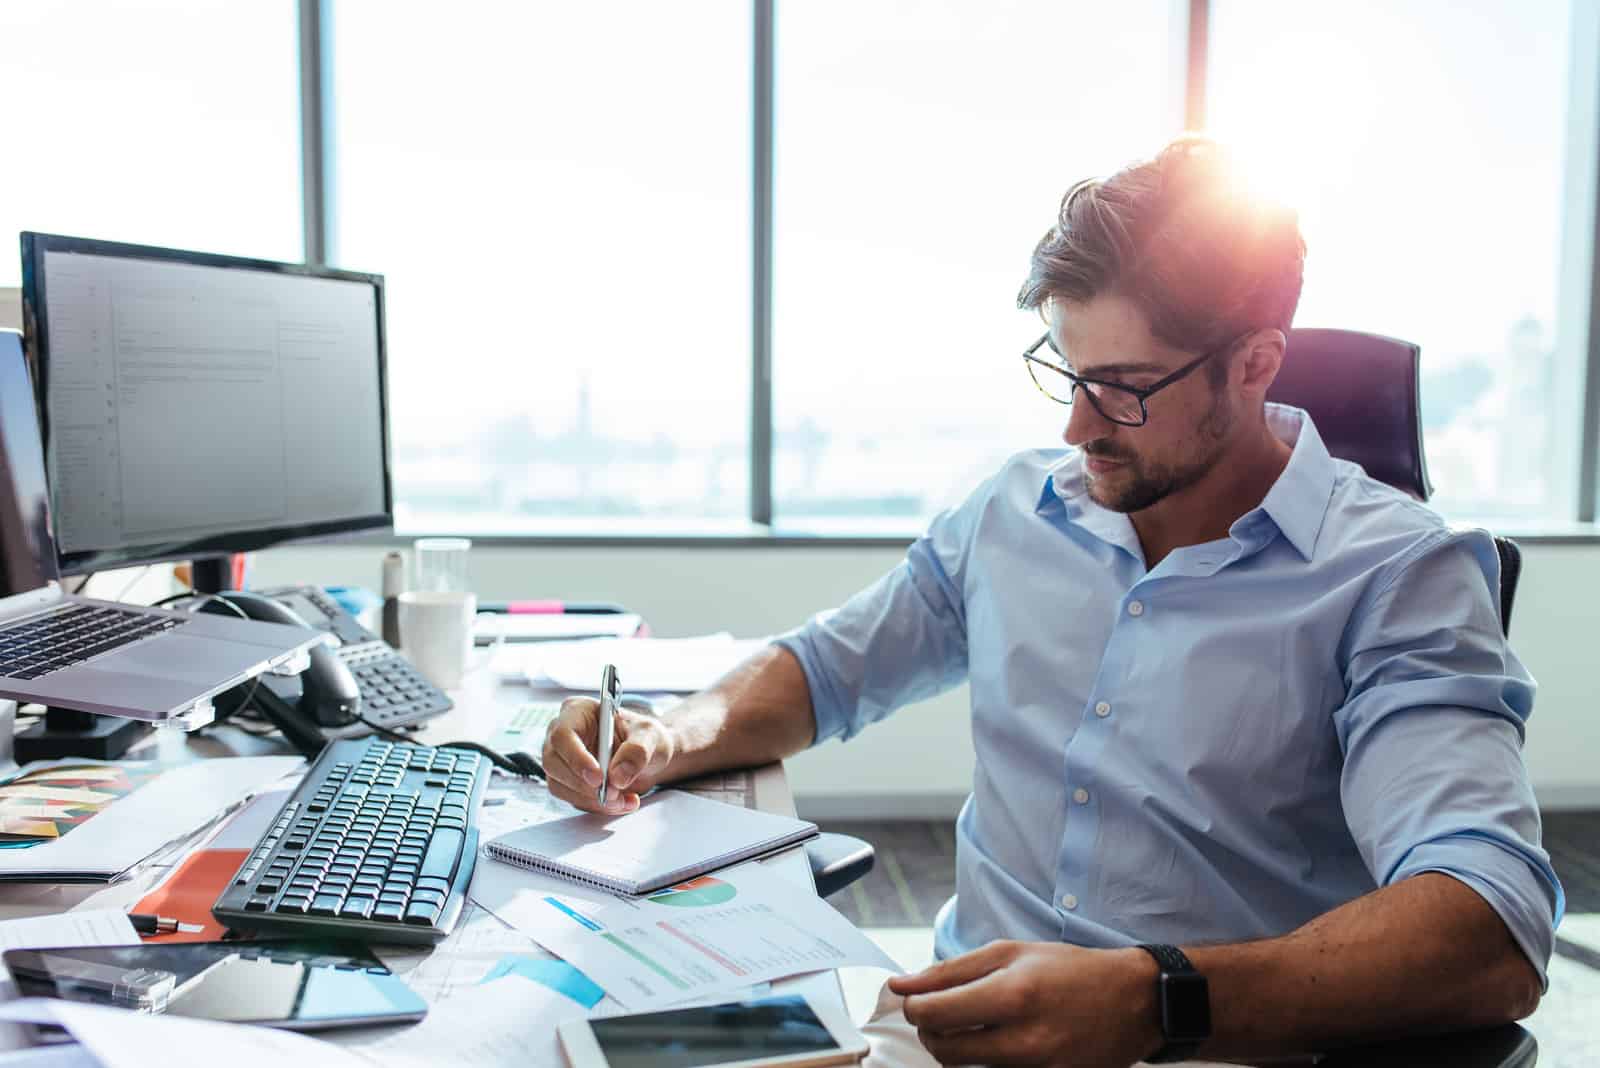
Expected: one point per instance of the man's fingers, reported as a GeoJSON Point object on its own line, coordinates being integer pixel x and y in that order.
{"type": "Point", "coordinates": [1003, 1045]}
{"type": "Point", "coordinates": [953, 972]}
{"type": "Point", "coordinates": [991, 1000]}
{"type": "Point", "coordinates": [566, 744]}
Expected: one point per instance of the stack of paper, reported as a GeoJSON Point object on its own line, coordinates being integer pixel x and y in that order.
{"type": "Point", "coordinates": [644, 665]}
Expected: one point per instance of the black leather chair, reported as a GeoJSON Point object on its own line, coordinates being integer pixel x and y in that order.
{"type": "Point", "coordinates": [1363, 393]}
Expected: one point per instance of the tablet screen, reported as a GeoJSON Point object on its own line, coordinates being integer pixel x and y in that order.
{"type": "Point", "coordinates": [715, 1034]}
{"type": "Point", "coordinates": [300, 985]}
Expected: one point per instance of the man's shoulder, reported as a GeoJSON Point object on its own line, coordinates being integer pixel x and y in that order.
{"type": "Point", "coordinates": [1370, 519]}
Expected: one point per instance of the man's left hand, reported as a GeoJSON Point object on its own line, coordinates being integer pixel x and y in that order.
{"type": "Point", "coordinates": [1036, 1003]}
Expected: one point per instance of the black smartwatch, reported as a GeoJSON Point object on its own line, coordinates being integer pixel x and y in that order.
{"type": "Point", "coordinates": [1185, 1002]}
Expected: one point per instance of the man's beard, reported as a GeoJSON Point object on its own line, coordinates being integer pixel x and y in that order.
{"type": "Point", "coordinates": [1143, 484]}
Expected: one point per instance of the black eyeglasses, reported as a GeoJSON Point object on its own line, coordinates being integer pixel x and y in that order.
{"type": "Point", "coordinates": [1121, 404]}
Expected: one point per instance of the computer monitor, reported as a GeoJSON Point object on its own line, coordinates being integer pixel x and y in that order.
{"type": "Point", "coordinates": [196, 404]}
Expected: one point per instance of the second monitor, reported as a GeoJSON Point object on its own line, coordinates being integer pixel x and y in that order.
{"type": "Point", "coordinates": [196, 404]}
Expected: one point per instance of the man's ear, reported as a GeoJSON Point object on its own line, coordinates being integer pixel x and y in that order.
{"type": "Point", "coordinates": [1263, 355]}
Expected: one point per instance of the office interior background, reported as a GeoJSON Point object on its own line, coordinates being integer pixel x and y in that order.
{"type": "Point", "coordinates": [708, 307]}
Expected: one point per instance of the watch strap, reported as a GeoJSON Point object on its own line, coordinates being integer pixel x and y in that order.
{"type": "Point", "coordinates": [1172, 961]}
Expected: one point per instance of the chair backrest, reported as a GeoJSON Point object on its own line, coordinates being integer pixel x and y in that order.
{"type": "Point", "coordinates": [1363, 391]}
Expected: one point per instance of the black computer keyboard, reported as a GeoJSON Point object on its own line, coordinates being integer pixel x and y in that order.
{"type": "Point", "coordinates": [35, 648]}
{"type": "Point", "coordinates": [377, 843]}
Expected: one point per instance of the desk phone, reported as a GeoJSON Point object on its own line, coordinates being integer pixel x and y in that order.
{"type": "Point", "coordinates": [393, 692]}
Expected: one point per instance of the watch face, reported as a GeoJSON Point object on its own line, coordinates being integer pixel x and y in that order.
{"type": "Point", "coordinates": [1185, 1008]}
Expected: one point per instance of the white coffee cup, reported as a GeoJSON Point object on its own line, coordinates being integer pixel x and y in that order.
{"type": "Point", "coordinates": [436, 633]}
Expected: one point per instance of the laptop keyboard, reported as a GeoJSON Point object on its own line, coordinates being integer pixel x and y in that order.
{"type": "Point", "coordinates": [34, 649]}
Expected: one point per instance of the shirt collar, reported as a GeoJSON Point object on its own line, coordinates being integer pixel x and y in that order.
{"type": "Point", "coordinates": [1295, 505]}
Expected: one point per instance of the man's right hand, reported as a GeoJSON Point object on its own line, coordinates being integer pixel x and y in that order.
{"type": "Point", "coordinates": [642, 747]}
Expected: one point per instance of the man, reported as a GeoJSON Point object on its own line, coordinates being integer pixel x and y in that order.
{"type": "Point", "coordinates": [1239, 710]}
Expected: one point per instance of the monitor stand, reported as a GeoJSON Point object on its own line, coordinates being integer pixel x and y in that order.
{"type": "Point", "coordinates": [67, 732]}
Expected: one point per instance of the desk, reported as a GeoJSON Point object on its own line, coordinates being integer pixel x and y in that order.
{"type": "Point", "coordinates": [481, 705]}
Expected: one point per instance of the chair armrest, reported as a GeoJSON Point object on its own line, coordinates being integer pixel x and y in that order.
{"type": "Point", "coordinates": [1507, 1046]}
{"type": "Point", "coordinates": [837, 860]}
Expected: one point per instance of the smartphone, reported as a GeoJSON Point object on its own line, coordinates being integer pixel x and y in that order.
{"type": "Point", "coordinates": [789, 1031]}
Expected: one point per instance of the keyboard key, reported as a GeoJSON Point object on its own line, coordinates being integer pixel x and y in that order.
{"type": "Point", "coordinates": [422, 914]}
{"type": "Point", "coordinates": [443, 852]}
{"type": "Point", "coordinates": [326, 904]}
{"type": "Point", "coordinates": [389, 911]}
{"type": "Point", "coordinates": [357, 907]}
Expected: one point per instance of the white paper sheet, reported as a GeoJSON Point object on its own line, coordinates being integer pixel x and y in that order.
{"type": "Point", "coordinates": [65, 1056]}
{"type": "Point", "coordinates": [506, 1023]}
{"type": "Point", "coordinates": [117, 1038]}
{"type": "Point", "coordinates": [712, 935]}
{"type": "Point", "coordinates": [95, 927]}
{"type": "Point", "coordinates": [670, 665]}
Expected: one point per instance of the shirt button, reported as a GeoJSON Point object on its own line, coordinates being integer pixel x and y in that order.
{"type": "Point", "coordinates": [1081, 796]}
{"type": "Point", "coordinates": [1136, 608]}
{"type": "Point", "coordinates": [1069, 902]}
{"type": "Point", "coordinates": [1102, 710]}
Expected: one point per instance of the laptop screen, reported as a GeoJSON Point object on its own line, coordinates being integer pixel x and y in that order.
{"type": "Point", "coordinates": [27, 548]}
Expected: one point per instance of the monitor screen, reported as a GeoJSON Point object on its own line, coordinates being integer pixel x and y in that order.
{"type": "Point", "coordinates": [195, 404]}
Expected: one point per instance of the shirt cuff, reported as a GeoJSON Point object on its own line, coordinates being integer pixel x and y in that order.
{"type": "Point", "coordinates": [1522, 889]}
{"type": "Point", "coordinates": [827, 712]}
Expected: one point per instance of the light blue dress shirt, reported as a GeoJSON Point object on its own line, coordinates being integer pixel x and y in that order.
{"type": "Point", "coordinates": [1220, 748]}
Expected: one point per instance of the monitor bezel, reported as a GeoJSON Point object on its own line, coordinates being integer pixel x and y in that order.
{"type": "Point", "coordinates": [36, 345]}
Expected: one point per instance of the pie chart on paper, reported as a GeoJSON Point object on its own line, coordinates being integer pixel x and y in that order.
{"type": "Point", "coordinates": [696, 893]}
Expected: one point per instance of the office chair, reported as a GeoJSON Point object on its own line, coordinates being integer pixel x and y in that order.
{"type": "Point", "coordinates": [1362, 392]}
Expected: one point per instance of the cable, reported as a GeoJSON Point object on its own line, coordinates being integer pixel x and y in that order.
{"type": "Point", "coordinates": [524, 765]}
{"type": "Point", "coordinates": [143, 571]}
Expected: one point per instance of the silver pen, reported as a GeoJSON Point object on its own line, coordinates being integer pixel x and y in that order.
{"type": "Point", "coordinates": [608, 716]}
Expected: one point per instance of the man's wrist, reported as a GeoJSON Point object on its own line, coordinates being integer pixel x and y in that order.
{"type": "Point", "coordinates": [1143, 999]}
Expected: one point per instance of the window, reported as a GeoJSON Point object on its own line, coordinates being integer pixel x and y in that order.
{"type": "Point", "coordinates": [173, 124]}
{"type": "Point", "coordinates": [559, 197]}
{"type": "Point", "coordinates": [922, 150]}
{"type": "Point", "coordinates": [1438, 198]}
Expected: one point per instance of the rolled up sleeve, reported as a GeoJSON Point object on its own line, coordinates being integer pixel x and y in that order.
{"type": "Point", "coordinates": [1432, 728]}
{"type": "Point", "coordinates": [902, 639]}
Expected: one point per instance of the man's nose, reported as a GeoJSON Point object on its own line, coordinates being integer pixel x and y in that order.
{"type": "Point", "coordinates": [1084, 422]}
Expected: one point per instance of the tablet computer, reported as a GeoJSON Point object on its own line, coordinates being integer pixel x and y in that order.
{"type": "Point", "coordinates": [302, 986]}
{"type": "Point", "coordinates": [789, 1031]}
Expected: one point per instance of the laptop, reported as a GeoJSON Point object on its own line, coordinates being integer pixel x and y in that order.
{"type": "Point", "coordinates": [100, 656]}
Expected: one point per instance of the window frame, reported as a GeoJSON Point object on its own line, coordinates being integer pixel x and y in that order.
{"type": "Point", "coordinates": [319, 157]}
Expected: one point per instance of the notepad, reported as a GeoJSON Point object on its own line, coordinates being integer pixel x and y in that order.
{"type": "Point", "coordinates": [673, 836]}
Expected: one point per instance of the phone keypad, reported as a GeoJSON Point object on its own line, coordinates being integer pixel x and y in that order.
{"type": "Point", "coordinates": [393, 692]}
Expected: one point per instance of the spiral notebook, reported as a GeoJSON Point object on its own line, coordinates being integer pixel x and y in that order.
{"type": "Point", "coordinates": [672, 837]}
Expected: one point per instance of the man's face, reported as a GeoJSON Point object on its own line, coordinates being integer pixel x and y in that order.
{"type": "Point", "coordinates": [1128, 469]}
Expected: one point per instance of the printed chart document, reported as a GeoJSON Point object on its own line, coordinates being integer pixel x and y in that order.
{"type": "Point", "coordinates": [712, 935]}
{"type": "Point", "coordinates": [169, 806]}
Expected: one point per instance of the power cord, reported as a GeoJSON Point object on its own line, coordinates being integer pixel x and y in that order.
{"type": "Point", "coordinates": [524, 765]}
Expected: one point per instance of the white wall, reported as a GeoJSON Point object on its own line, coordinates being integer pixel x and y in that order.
{"type": "Point", "coordinates": [919, 763]}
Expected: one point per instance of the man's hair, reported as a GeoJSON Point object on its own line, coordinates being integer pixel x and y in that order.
{"type": "Point", "coordinates": [1181, 235]}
